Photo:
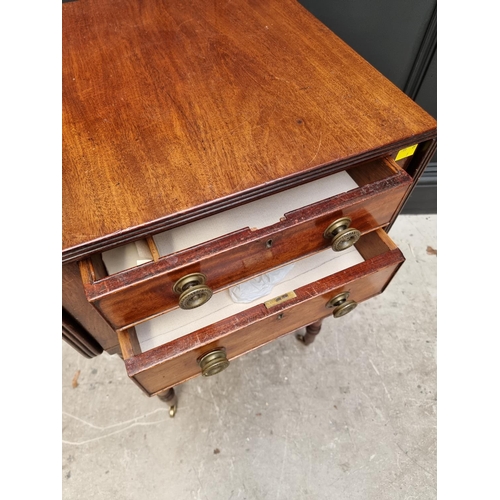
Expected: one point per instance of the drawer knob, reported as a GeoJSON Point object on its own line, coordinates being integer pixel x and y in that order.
{"type": "Point", "coordinates": [344, 309]}
{"type": "Point", "coordinates": [213, 362]}
{"type": "Point", "coordinates": [341, 306]}
{"type": "Point", "coordinates": [192, 291]}
{"type": "Point", "coordinates": [341, 234]}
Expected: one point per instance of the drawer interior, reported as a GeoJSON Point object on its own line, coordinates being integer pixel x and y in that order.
{"type": "Point", "coordinates": [255, 215]}
{"type": "Point", "coordinates": [179, 323]}
{"type": "Point", "coordinates": [164, 352]}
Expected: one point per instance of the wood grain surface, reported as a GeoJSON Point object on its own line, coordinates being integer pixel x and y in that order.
{"type": "Point", "coordinates": [175, 362]}
{"type": "Point", "coordinates": [76, 305]}
{"type": "Point", "coordinates": [176, 109]}
{"type": "Point", "coordinates": [76, 336]}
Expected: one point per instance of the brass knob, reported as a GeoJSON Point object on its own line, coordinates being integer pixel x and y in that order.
{"type": "Point", "coordinates": [344, 309]}
{"type": "Point", "coordinates": [192, 291]}
{"type": "Point", "coordinates": [213, 362]}
{"type": "Point", "coordinates": [338, 300]}
{"type": "Point", "coordinates": [341, 234]}
{"type": "Point", "coordinates": [341, 306]}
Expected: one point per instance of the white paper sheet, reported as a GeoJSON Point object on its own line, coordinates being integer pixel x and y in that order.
{"type": "Point", "coordinates": [180, 322]}
{"type": "Point", "coordinates": [255, 215]}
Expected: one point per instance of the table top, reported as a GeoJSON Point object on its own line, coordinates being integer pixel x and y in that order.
{"type": "Point", "coordinates": [177, 109]}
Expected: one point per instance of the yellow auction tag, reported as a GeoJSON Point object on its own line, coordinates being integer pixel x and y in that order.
{"type": "Point", "coordinates": [280, 299]}
{"type": "Point", "coordinates": [406, 152]}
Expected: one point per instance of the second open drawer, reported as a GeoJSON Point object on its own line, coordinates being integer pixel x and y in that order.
{"type": "Point", "coordinates": [169, 349]}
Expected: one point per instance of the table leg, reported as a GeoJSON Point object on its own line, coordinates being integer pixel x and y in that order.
{"type": "Point", "coordinates": [311, 332]}
{"type": "Point", "coordinates": [170, 397]}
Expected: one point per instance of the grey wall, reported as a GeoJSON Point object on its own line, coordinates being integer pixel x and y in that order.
{"type": "Point", "coordinates": [398, 37]}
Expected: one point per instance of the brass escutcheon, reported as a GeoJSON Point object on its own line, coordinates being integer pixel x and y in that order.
{"type": "Point", "coordinates": [213, 362]}
{"type": "Point", "coordinates": [341, 235]}
{"type": "Point", "coordinates": [192, 291]}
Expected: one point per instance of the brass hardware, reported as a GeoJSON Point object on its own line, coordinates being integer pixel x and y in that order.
{"type": "Point", "coordinates": [170, 397]}
{"type": "Point", "coordinates": [280, 299]}
{"type": "Point", "coordinates": [196, 296]}
{"type": "Point", "coordinates": [172, 411]}
{"type": "Point", "coordinates": [341, 305]}
{"type": "Point", "coordinates": [213, 362]}
{"type": "Point", "coordinates": [341, 235]}
{"type": "Point", "coordinates": [344, 309]}
{"type": "Point", "coordinates": [337, 300]}
{"type": "Point", "coordinates": [192, 291]}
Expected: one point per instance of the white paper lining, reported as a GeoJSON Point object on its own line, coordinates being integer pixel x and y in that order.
{"type": "Point", "coordinates": [255, 215]}
{"type": "Point", "coordinates": [260, 286]}
{"type": "Point", "coordinates": [127, 256]}
{"type": "Point", "coordinates": [180, 322]}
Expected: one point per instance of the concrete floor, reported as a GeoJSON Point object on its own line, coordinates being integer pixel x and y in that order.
{"type": "Point", "coordinates": [353, 416]}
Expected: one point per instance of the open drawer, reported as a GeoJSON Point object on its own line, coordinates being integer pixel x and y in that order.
{"type": "Point", "coordinates": [232, 246]}
{"type": "Point", "coordinates": [173, 348]}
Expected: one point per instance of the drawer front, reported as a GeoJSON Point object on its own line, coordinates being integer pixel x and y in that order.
{"type": "Point", "coordinates": [137, 294]}
{"type": "Point", "coordinates": [176, 361]}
